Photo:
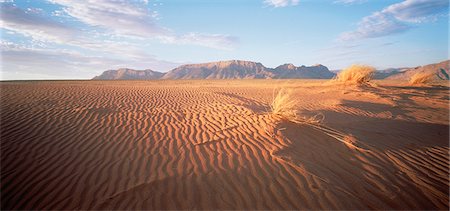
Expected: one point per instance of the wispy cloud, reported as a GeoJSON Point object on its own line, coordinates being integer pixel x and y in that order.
{"type": "Point", "coordinates": [82, 38]}
{"type": "Point", "coordinates": [42, 29]}
{"type": "Point", "coordinates": [281, 3]}
{"type": "Point", "coordinates": [62, 63]}
{"type": "Point", "coordinates": [349, 2]}
{"type": "Point", "coordinates": [376, 25]}
{"type": "Point", "coordinates": [122, 17]}
{"type": "Point", "coordinates": [417, 11]}
{"type": "Point", "coordinates": [90, 52]}
{"type": "Point", "coordinates": [342, 54]}
{"type": "Point", "coordinates": [218, 41]}
{"type": "Point", "coordinates": [112, 18]}
{"type": "Point", "coordinates": [134, 18]}
{"type": "Point", "coordinates": [397, 18]}
{"type": "Point", "coordinates": [56, 63]}
{"type": "Point", "coordinates": [34, 25]}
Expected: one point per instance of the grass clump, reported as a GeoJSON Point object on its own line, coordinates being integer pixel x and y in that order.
{"type": "Point", "coordinates": [285, 106]}
{"type": "Point", "coordinates": [356, 74]}
{"type": "Point", "coordinates": [421, 78]}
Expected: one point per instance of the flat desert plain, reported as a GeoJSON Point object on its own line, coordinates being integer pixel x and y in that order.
{"type": "Point", "coordinates": [215, 145]}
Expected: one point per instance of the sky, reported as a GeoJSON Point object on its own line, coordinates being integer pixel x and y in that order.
{"type": "Point", "coordinates": [74, 39]}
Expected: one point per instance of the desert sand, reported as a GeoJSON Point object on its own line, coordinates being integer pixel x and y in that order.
{"type": "Point", "coordinates": [214, 144]}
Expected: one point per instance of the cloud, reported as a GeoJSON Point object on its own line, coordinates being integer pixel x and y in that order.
{"type": "Point", "coordinates": [23, 61]}
{"type": "Point", "coordinates": [100, 41]}
{"type": "Point", "coordinates": [133, 18]}
{"type": "Point", "coordinates": [397, 18]}
{"type": "Point", "coordinates": [342, 54]}
{"type": "Point", "coordinates": [349, 1]}
{"type": "Point", "coordinates": [281, 3]}
{"type": "Point", "coordinates": [417, 11]}
{"type": "Point", "coordinates": [218, 41]}
{"type": "Point", "coordinates": [376, 25]}
{"type": "Point", "coordinates": [114, 18]}
{"type": "Point", "coordinates": [34, 25]}
{"type": "Point", "coordinates": [20, 61]}
{"type": "Point", "coordinates": [122, 17]}
{"type": "Point", "coordinates": [42, 29]}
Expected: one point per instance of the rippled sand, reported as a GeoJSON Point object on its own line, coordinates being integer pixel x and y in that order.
{"type": "Point", "coordinates": [213, 145]}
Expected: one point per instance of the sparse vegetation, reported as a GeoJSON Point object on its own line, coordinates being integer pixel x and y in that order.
{"type": "Point", "coordinates": [284, 105]}
{"type": "Point", "coordinates": [356, 74]}
{"type": "Point", "coordinates": [421, 78]}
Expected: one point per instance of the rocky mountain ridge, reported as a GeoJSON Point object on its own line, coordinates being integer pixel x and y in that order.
{"type": "Point", "coordinates": [232, 69]}
{"type": "Point", "coordinates": [239, 69]}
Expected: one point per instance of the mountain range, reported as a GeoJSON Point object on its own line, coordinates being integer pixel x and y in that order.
{"type": "Point", "coordinates": [129, 74]}
{"type": "Point", "coordinates": [233, 69]}
{"type": "Point", "coordinates": [239, 69]}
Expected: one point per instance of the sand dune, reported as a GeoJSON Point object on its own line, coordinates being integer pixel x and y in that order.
{"type": "Point", "coordinates": [213, 145]}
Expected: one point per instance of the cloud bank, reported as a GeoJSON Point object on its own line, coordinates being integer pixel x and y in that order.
{"type": "Point", "coordinates": [90, 35]}
{"type": "Point", "coordinates": [133, 18]}
{"type": "Point", "coordinates": [397, 18]}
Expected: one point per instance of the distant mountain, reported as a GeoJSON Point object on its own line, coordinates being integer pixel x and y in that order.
{"type": "Point", "coordinates": [238, 69]}
{"type": "Point", "coordinates": [129, 74]}
{"type": "Point", "coordinates": [233, 69]}
{"type": "Point", "coordinates": [382, 74]}
{"type": "Point", "coordinates": [291, 71]}
{"type": "Point", "coordinates": [440, 70]}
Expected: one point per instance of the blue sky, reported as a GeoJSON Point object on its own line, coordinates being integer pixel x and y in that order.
{"type": "Point", "coordinates": [73, 39]}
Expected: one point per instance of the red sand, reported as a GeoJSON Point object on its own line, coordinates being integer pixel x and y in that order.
{"type": "Point", "coordinates": [213, 145]}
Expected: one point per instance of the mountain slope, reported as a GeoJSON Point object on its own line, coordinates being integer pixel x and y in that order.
{"type": "Point", "coordinates": [234, 69]}
{"type": "Point", "coordinates": [238, 69]}
{"type": "Point", "coordinates": [382, 74]}
{"type": "Point", "coordinates": [441, 70]}
{"type": "Point", "coordinates": [129, 74]}
{"type": "Point", "coordinates": [311, 72]}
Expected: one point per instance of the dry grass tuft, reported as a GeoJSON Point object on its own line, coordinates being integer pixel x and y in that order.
{"type": "Point", "coordinates": [421, 78]}
{"type": "Point", "coordinates": [284, 105]}
{"type": "Point", "coordinates": [356, 74]}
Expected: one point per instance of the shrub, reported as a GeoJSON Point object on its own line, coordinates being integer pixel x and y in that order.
{"type": "Point", "coordinates": [356, 74]}
{"type": "Point", "coordinates": [421, 78]}
{"type": "Point", "coordinates": [284, 105]}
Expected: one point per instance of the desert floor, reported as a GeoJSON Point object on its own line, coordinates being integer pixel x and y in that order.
{"type": "Point", "coordinates": [214, 145]}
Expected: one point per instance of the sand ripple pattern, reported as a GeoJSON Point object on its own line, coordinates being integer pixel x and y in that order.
{"type": "Point", "coordinates": [204, 145]}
